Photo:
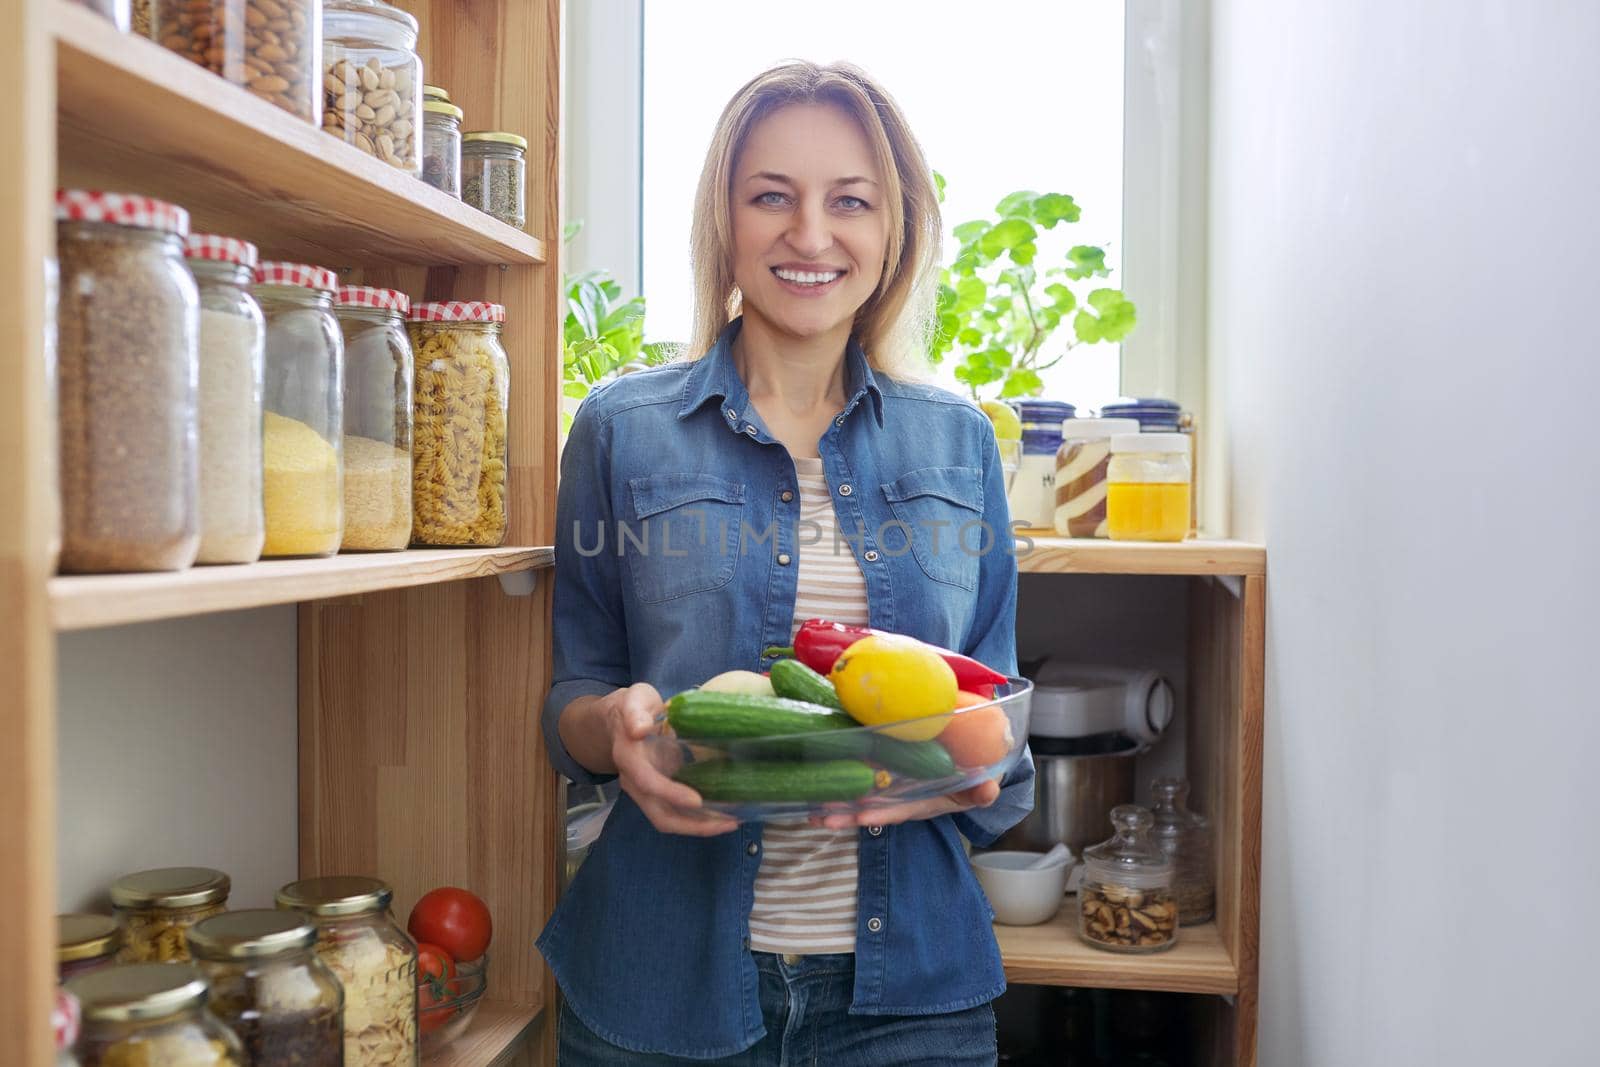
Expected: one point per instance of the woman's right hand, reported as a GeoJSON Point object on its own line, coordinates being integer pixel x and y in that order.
{"type": "Point", "coordinates": [671, 807]}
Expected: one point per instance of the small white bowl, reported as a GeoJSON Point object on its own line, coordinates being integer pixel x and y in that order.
{"type": "Point", "coordinates": [1021, 897]}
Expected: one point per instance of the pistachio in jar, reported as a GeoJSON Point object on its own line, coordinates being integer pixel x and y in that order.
{"type": "Point", "coordinates": [155, 908]}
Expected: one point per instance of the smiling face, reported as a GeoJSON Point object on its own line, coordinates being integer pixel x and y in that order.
{"type": "Point", "coordinates": [809, 226]}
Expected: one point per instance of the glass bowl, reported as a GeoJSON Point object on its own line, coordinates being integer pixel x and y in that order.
{"type": "Point", "coordinates": [850, 770]}
{"type": "Point", "coordinates": [445, 1007]}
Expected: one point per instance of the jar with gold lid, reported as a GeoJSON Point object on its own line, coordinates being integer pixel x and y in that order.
{"type": "Point", "coordinates": [373, 958]}
{"type": "Point", "coordinates": [85, 943]}
{"type": "Point", "coordinates": [155, 907]}
{"type": "Point", "coordinates": [137, 1014]}
{"type": "Point", "coordinates": [270, 987]}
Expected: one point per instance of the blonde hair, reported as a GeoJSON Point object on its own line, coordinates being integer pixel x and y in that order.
{"type": "Point", "coordinates": [896, 322]}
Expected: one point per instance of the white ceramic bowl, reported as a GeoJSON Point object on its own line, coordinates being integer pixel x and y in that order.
{"type": "Point", "coordinates": [1021, 897]}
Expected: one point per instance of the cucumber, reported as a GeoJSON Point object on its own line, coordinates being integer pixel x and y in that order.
{"type": "Point", "coordinates": [791, 678]}
{"type": "Point", "coordinates": [914, 759]}
{"type": "Point", "coordinates": [738, 782]}
{"type": "Point", "coordinates": [742, 725]}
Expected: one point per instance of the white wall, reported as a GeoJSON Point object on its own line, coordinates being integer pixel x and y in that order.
{"type": "Point", "coordinates": [1402, 321]}
{"type": "Point", "coordinates": [177, 747]}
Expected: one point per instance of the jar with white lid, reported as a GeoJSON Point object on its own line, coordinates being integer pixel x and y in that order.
{"type": "Point", "coordinates": [1148, 487]}
{"type": "Point", "coordinates": [377, 418]}
{"type": "Point", "coordinates": [1126, 903]}
{"type": "Point", "coordinates": [303, 416]}
{"type": "Point", "coordinates": [1081, 464]}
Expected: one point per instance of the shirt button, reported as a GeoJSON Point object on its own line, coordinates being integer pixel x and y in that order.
{"type": "Point", "coordinates": [732, 414]}
{"type": "Point", "coordinates": [871, 555]}
{"type": "Point", "coordinates": [839, 421]}
{"type": "Point", "coordinates": [845, 490]}
{"type": "Point", "coordinates": [752, 848]}
{"type": "Point", "coordinates": [750, 428]}
{"type": "Point", "coordinates": [874, 924]}
{"type": "Point", "coordinates": [786, 496]}
{"type": "Point", "coordinates": [783, 559]}
{"type": "Point", "coordinates": [875, 831]}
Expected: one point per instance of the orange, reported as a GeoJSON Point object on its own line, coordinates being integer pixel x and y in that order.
{"type": "Point", "coordinates": [977, 738]}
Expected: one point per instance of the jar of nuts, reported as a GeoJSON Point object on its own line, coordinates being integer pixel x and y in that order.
{"type": "Point", "coordinates": [156, 908]}
{"type": "Point", "coordinates": [268, 46]}
{"type": "Point", "coordinates": [1186, 839]}
{"type": "Point", "coordinates": [127, 361]}
{"type": "Point", "coordinates": [372, 80]}
{"type": "Point", "coordinates": [1126, 902]}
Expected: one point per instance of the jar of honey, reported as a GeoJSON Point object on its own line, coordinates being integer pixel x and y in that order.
{"type": "Point", "coordinates": [1148, 487]}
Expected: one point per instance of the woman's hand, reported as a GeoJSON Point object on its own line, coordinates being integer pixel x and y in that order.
{"type": "Point", "coordinates": [671, 807]}
{"type": "Point", "coordinates": [979, 796]}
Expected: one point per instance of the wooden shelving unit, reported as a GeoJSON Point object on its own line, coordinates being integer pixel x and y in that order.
{"type": "Point", "coordinates": [95, 108]}
{"type": "Point", "coordinates": [1053, 954]}
{"type": "Point", "coordinates": [1050, 554]}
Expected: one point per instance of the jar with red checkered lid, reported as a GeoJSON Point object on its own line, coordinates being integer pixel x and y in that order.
{"type": "Point", "coordinates": [377, 418]}
{"type": "Point", "coordinates": [303, 410]}
{"type": "Point", "coordinates": [463, 380]}
{"type": "Point", "coordinates": [232, 344]}
{"type": "Point", "coordinates": [127, 366]}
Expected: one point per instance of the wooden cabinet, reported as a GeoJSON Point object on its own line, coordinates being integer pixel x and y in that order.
{"type": "Point", "coordinates": [420, 672]}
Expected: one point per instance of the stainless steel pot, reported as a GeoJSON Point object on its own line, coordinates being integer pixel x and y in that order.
{"type": "Point", "coordinates": [1073, 798]}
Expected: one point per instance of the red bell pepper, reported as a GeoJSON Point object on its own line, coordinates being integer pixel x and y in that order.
{"type": "Point", "coordinates": [819, 642]}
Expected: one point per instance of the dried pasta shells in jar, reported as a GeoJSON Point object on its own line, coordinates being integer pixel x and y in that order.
{"type": "Point", "coordinates": [460, 394]}
{"type": "Point", "coordinates": [156, 908]}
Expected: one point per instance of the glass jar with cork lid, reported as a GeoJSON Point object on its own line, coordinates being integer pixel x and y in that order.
{"type": "Point", "coordinates": [151, 1013]}
{"type": "Point", "coordinates": [155, 908]}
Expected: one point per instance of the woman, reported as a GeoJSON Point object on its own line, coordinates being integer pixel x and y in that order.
{"type": "Point", "coordinates": [707, 507]}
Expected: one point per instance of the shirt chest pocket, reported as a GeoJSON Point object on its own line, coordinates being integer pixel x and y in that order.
{"type": "Point", "coordinates": [683, 534]}
{"type": "Point", "coordinates": [941, 509]}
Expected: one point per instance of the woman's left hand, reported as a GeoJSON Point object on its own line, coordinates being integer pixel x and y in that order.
{"type": "Point", "coordinates": [979, 796]}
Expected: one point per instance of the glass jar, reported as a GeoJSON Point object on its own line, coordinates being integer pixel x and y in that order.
{"type": "Point", "coordinates": [374, 959]}
{"type": "Point", "coordinates": [1033, 492]}
{"type": "Point", "coordinates": [372, 80]}
{"type": "Point", "coordinates": [117, 11]}
{"type": "Point", "coordinates": [1125, 903]}
{"type": "Point", "coordinates": [51, 445]}
{"type": "Point", "coordinates": [143, 18]}
{"type": "Point", "coordinates": [1080, 478]}
{"type": "Point", "coordinates": [494, 175]}
{"type": "Point", "coordinates": [232, 340]}
{"type": "Point", "coordinates": [155, 908]}
{"type": "Point", "coordinates": [85, 943]}
{"type": "Point", "coordinates": [459, 449]}
{"type": "Point", "coordinates": [1185, 837]}
{"type": "Point", "coordinates": [270, 988]}
{"type": "Point", "coordinates": [1148, 487]}
{"type": "Point", "coordinates": [65, 1021]}
{"type": "Point", "coordinates": [377, 418]}
{"type": "Point", "coordinates": [303, 416]}
{"type": "Point", "coordinates": [268, 46]}
{"type": "Point", "coordinates": [138, 1014]}
{"type": "Point", "coordinates": [441, 146]}
{"type": "Point", "coordinates": [127, 331]}
{"type": "Point", "coordinates": [434, 93]}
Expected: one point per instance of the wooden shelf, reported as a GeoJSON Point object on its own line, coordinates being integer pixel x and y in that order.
{"type": "Point", "coordinates": [80, 602]}
{"type": "Point", "coordinates": [497, 1032]}
{"type": "Point", "coordinates": [1053, 954]}
{"type": "Point", "coordinates": [134, 117]}
{"type": "Point", "coordinates": [1072, 555]}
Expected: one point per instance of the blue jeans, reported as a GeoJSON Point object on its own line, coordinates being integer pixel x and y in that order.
{"type": "Point", "coordinates": [804, 1004]}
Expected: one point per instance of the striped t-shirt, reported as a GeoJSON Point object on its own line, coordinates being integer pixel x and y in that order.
{"type": "Point", "coordinates": [805, 896]}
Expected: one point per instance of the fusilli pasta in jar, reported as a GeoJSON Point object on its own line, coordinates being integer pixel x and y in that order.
{"type": "Point", "coordinates": [156, 908]}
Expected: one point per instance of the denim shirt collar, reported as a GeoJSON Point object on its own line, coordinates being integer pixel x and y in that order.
{"type": "Point", "coordinates": [714, 376]}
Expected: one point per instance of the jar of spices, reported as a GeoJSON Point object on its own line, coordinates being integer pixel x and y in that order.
{"type": "Point", "coordinates": [85, 943]}
{"type": "Point", "coordinates": [372, 80]}
{"type": "Point", "coordinates": [117, 11]}
{"type": "Point", "coordinates": [441, 146]}
{"type": "Point", "coordinates": [232, 342]}
{"type": "Point", "coordinates": [270, 47]}
{"type": "Point", "coordinates": [1125, 903]}
{"type": "Point", "coordinates": [156, 907]}
{"type": "Point", "coordinates": [373, 958]}
{"type": "Point", "coordinates": [127, 338]}
{"type": "Point", "coordinates": [494, 175]}
{"type": "Point", "coordinates": [1148, 487]}
{"type": "Point", "coordinates": [1032, 496]}
{"type": "Point", "coordinates": [270, 988]}
{"type": "Point", "coordinates": [1185, 837]}
{"type": "Point", "coordinates": [377, 418]}
{"type": "Point", "coordinates": [459, 448]}
{"type": "Point", "coordinates": [1080, 482]}
{"type": "Point", "coordinates": [139, 1014]}
{"type": "Point", "coordinates": [303, 417]}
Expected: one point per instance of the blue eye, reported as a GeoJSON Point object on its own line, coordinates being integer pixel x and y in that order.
{"type": "Point", "coordinates": [773, 199]}
{"type": "Point", "coordinates": [853, 203]}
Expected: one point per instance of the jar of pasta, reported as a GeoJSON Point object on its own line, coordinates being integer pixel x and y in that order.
{"type": "Point", "coordinates": [1080, 482]}
{"type": "Point", "coordinates": [232, 336]}
{"type": "Point", "coordinates": [373, 958]}
{"type": "Point", "coordinates": [459, 445]}
{"type": "Point", "coordinates": [270, 988]}
{"type": "Point", "coordinates": [271, 47]}
{"type": "Point", "coordinates": [303, 420]}
{"type": "Point", "coordinates": [151, 1015]}
{"type": "Point", "coordinates": [85, 943]}
{"type": "Point", "coordinates": [1148, 487]}
{"type": "Point", "coordinates": [372, 80]}
{"type": "Point", "coordinates": [377, 418]}
{"type": "Point", "coordinates": [155, 907]}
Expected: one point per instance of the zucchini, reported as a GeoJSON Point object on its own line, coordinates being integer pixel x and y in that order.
{"type": "Point", "coordinates": [914, 759]}
{"type": "Point", "coordinates": [739, 782]}
{"type": "Point", "coordinates": [743, 723]}
{"type": "Point", "coordinates": [791, 678]}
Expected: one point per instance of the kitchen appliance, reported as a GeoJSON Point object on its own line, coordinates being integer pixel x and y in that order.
{"type": "Point", "coordinates": [1088, 723]}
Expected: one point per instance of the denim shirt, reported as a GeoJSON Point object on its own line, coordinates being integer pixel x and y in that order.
{"type": "Point", "coordinates": [698, 509]}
